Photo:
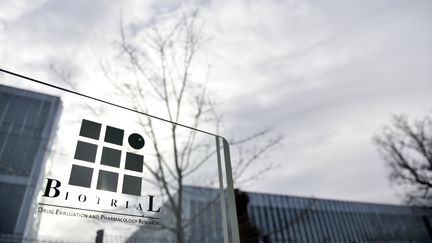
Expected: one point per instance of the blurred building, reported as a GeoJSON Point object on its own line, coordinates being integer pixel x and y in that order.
{"type": "Point", "coordinates": [282, 218]}
{"type": "Point", "coordinates": [291, 219]}
{"type": "Point", "coordinates": [27, 122]}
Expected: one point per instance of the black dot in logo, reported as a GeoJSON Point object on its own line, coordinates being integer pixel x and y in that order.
{"type": "Point", "coordinates": [136, 141]}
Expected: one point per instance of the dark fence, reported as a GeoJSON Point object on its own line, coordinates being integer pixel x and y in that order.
{"type": "Point", "coordinates": [7, 238]}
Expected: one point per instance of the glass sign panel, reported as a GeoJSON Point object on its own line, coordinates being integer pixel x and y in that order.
{"type": "Point", "coordinates": [74, 168]}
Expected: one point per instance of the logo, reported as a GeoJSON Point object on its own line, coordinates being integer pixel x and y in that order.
{"type": "Point", "coordinates": [116, 169]}
{"type": "Point", "coordinates": [105, 158]}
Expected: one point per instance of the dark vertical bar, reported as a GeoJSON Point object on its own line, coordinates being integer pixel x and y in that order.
{"type": "Point", "coordinates": [99, 236]}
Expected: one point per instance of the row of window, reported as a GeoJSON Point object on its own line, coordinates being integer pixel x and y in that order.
{"type": "Point", "coordinates": [295, 219]}
{"type": "Point", "coordinates": [22, 122]}
{"type": "Point", "coordinates": [312, 220]}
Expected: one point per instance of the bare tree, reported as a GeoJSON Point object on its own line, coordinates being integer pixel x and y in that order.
{"type": "Point", "coordinates": [407, 148]}
{"type": "Point", "coordinates": [157, 72]}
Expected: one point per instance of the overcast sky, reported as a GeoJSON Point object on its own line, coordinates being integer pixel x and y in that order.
{"type": "Point", "coordinates": [326, 74]}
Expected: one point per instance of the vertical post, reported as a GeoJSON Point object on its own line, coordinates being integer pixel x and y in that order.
{"type": "Point", "coordinates": [231, 197]}
{"type": "Point", "coordinates": [99, 236]}
{"type": "Point", "coordinates": [222, 192]}
{"type": "Point", "coordinates": [428, 225]}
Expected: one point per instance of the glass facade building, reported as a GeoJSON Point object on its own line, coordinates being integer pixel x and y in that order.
{"type": "Point", "coordinates": [281, 218]}
{"type": "Point", "coordinates": [292, 219]}
{"type": "Point", "coordinates": [27, 122]}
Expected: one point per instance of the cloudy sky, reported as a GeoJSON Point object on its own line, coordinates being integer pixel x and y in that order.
{"type": "Point", "coordinates": [326, 74]}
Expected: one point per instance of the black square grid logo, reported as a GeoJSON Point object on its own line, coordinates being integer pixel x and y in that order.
{"type": "Point", "coordinates": [134, 162]}
{"type": "Point", "coordinates": [81, 176]}
{"type": "Point", "coordinates": [85, 151]}
{"type": "Point", "coordinates": [107, 181]}
{"type": "Point", "coordinates": [113, 153]}
{"type": "Point", "coordinates": [111, 157]}
{"type": "Point", "coordinates": [131, 185]}
{"type": "Point", "coordinates": [90, 129]}
{"type": "Point", "coordinates": [114, 135]}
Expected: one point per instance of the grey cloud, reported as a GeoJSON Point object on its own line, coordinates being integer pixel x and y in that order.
{"type": "Point", "coordinates": [327, 74]}
{"type": "Point", "coordinates": [351, 65]}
